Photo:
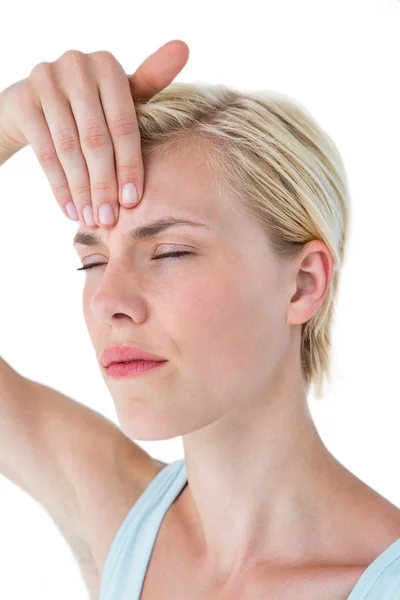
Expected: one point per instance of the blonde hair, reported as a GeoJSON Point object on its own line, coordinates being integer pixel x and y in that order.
{"type": "Point", "coordinates": [279, 164]}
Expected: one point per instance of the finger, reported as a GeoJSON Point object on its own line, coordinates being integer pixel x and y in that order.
{"type": "Point", "coordinates": [66, 139]}
{"type": "Point", "coordinates": [120, 115]}
{"type": "Point", "coordinates": [159, 69]}
{"type": "Point", "coordinates": [95, 139]}
{"type": "Point", "coordinates": [38, 135]}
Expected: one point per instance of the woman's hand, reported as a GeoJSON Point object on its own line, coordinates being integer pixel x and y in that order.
{"type": "Point", "coordinates": [78, 114]}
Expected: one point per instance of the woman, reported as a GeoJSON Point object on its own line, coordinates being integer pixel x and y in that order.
{"type": "Point", "coordinates": [238, 307]}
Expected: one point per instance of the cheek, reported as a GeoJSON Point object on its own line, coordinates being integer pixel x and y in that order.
{"type": "Point", "coordinates": [225, 329]}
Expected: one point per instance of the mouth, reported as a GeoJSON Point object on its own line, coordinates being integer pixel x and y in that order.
{"type": "Point", "coordinates": [133, 368]}
{"type": "Point", "coordinates": [127, 354]}
{"type": "Point", "coordinates": [128, 362]}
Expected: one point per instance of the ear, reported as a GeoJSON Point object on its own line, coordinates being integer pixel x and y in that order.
{"type": "Point", "coordinates": [312, 273]}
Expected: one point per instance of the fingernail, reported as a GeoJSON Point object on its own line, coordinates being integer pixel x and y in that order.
{"type": "Point", "coordinates": [106, 214]}
{"type": "Point", "coordinates": [88, 214]}
{"type": "Point", "coordinates": [71, 211]}
{"type": "Point", "coordinates": [129, 194]}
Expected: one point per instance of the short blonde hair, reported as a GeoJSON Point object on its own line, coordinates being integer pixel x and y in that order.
{"type": "Point", "coordinates": [279, 164]}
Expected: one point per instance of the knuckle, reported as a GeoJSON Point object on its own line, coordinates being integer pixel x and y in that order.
{"type": "Point", "coordinates": [67, 142]}
{"type": "Point", "coordinates": [105, 186]}
{"type": "Point", "coordinates": [47, 156]}
{"type": "Point", "coordinates": [123, 125]}
{"type": "Point", "coordinates": [81, 190]}
{"type": "Point", "coordinates": [41, 72]}
{"type": "Point", "coordinates": [129, 173]}
{"type": "Point", "coordinates": [104, 56]}
{"type": "Point", "coordinates": [94, 136]}
{"type": "Point", "coordinates": [72, 56]}
{"type": "Point", "coordinates": [42, 78]}
{"type": "Point", "coordinates": [61, 190]}
{"type": "Point", "coordinates": [106, 61]}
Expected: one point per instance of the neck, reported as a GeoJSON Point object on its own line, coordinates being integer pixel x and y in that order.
{"type": "Point", "coordinates": [260, 486]}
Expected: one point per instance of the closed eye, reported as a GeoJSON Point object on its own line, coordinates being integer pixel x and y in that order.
{"type": "Point", "coordinates": [167, 255]}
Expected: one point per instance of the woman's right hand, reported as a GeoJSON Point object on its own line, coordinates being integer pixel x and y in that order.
{"type": "Point", "coordinates": [78, 114]}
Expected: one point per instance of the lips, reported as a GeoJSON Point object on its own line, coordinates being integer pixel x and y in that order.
{"type": "Point", "coordinates": [127, 353]}
{"type": "Point", "coordinates": [128, 362]}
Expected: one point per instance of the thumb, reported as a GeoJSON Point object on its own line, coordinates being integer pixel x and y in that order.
{"type": "Point", "coordinates": [159, 69]}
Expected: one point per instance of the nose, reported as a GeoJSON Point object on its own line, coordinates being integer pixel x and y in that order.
{"type": "Point", "coordinates": [117, 295]}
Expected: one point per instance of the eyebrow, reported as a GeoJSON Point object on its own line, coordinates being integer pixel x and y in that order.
{"type": "Point", "coordinates": [140, 233]}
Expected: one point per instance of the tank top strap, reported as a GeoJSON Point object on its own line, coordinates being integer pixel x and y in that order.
{"type": "Point", "coordinates": [130, 551]}
{"type": "Point", "coordinates": [381, 580]}
{"type": "Point", "coordinates": [129, 555]}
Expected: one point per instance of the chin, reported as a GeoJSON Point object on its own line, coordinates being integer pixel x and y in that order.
{"type": "Point", "coordinates": [139, 423]}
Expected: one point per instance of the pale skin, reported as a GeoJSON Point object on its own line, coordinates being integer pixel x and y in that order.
{"type": "Point", "coordinates": [265, 496]}
{"type": "Point", "coordinates": [264, 491]}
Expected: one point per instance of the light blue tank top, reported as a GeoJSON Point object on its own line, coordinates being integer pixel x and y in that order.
{"type": "Point", "coordinates": [126, 563]}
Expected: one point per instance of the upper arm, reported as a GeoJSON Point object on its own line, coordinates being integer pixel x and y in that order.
{"type": "Point", "coordinates": [76, 463]}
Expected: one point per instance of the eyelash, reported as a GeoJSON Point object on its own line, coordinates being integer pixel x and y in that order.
{"type": "Point", "coordinates": [168, 254]}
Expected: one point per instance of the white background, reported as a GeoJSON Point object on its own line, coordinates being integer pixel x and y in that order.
{"type": "Point", "coordinates": [340, 60]}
